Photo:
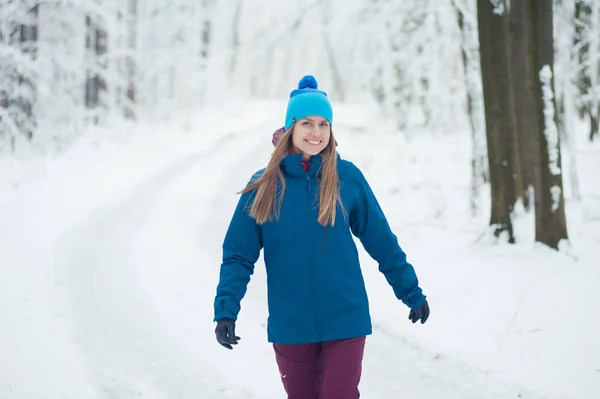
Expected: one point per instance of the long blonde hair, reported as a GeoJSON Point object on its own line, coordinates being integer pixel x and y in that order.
{"type": "Point", "coordinates": [266, 207]}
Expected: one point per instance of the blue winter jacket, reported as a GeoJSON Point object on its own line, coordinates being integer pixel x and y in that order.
{"type": "Point", "coordinates": [316, 290]}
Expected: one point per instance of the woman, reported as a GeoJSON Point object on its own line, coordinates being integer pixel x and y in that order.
{"type": "Point", "coordinates": [302, 210]}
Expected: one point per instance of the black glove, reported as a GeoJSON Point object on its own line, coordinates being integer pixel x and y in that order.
{"type": "Point", "coordinates": [421, 313]}
{"type": "Point", "coordinates": [225, 333]}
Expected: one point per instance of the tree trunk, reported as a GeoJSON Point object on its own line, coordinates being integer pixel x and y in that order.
{"type": "Point", "coordinates": [494, 39]}
{"type": "Point", "coordinates": [586, 42]}
{"type": "Point", "coordinates": [594, 66]}
{"type": "Point", "coordinates": [594, 124]}
{"type": "Point", "coordinates": [130, 67]}
{"type": "Point", "coordinates": [550, 219]}
{"type": "Point", "coordinates": [472, 68]}
{"type": "Point", "coordinates": [18, 93]}
{"type": "Point", "coordinates": [524, 102]}
{"type": "Point", "coordinates": [235, 39]}
{"type": "Point", "coordinates": [96, 45]}
{"type": "Point", "coordinates": [205, 32]}
{"type": "Point", "coordinates": [566, 64]}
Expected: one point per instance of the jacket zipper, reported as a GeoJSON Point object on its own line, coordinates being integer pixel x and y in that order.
{"type": "Point", "coordinates": [312, 266]}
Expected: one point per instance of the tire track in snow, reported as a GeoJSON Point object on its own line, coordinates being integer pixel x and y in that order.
{"type": "Point", "coordinates": [127, 351]}
{"type": "Point", "coordinates": [397, 368]}
{"type": "Point", "coordinates": [194, 222]}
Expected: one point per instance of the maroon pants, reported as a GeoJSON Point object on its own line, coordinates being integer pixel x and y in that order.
{"type": "Point", "coordinates": [321, 370]}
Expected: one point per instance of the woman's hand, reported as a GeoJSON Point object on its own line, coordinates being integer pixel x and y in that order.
{"type": "Point", "coordinates": [225, 333]}
{"type": "Point", "coordinates": [421, 313]}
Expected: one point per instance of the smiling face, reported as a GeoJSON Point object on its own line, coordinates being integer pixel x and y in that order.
{"type": "Point", "coordinates": [311, 136]}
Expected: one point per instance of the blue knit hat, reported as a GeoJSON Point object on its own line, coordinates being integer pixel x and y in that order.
{"type": "Point", "coordinates": [307, 100]}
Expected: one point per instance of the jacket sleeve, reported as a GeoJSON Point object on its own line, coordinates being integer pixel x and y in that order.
{"type": "Point", "coordinates": [370, 225]}
{"type": "Point", "coordinates": [241, 250]}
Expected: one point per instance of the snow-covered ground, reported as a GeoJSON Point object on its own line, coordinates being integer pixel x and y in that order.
{"type": "Point", "coordinates": [110, 258]}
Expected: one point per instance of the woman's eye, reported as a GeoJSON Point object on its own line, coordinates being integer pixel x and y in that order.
{"type": "Point", "coordinates": [324, 125]}
{"type": "Point", "coordinates": [306, 123]}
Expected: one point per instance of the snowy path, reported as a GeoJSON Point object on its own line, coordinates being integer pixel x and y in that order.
{"type": "Point", "coordinates": [127, 351]}
{"type": "Point", "coordinates": [141, 279]}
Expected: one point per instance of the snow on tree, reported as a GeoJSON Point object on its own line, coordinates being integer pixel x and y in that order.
{"type": "Point", "coordinates": [587, 44]}
{"type": "Point", "coordinates": [405, 37]}
{"type": "Point", "coordinates": [18, 74]}
{"type": "Point", "coordinates": [69, 64]}
{"type": "Point", "coordinates": [565, 67]}
{"type": "Point", "coordinates": [550, 218]}
{"type": "Point", "coordinates": [467, 20]}
{"type": "Point", "coordinates": [550, 129]}
{"type": "Point", "coordinates": [551, 133]}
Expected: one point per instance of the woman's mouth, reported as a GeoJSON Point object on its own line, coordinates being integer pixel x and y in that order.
{"type": "Point", "coordinates": [314, 142]}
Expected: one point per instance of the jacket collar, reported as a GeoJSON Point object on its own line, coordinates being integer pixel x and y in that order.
{"type": "Point", "coordinates": [292, 164]}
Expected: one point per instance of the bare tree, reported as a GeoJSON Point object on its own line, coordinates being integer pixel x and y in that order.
{"type": "Point", "coordinates": [565, 76]}
{"type": "Point", "coordinates": [96, 46]}
{"type": "Point", "coordinates": [522, 69]}
{"type": "Point", "coordinates": [587, 42]}
{"type": "Point", "coordinates": [18, 85]}
{"type": "Point", "coordinates": [467, 21]}
{"type": "Point", "coordinates": [550, 219]}
{"type": "Point", "coordinates": [501, 132]}
{"type": "Point", "coordinates": [235, 38]}
{"type": "Point", "coordinates": [126, 40]}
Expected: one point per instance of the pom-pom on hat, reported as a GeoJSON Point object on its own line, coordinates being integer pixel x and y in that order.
{"type": "Point", "coordinates": [307, 100]}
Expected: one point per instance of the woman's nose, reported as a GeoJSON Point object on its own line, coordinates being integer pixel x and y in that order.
{"type": "Point", "coordinates": [316, 132]}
